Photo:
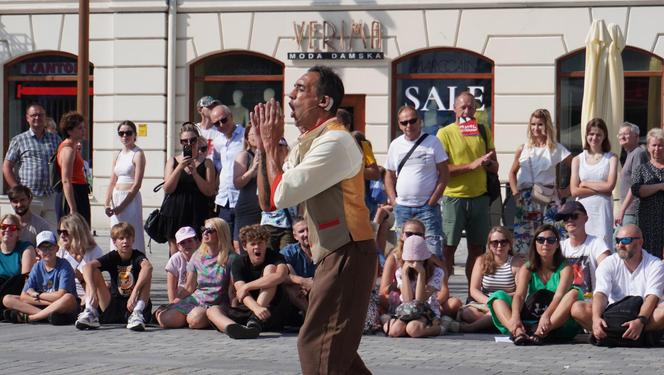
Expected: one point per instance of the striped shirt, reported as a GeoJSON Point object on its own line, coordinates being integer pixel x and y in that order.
{"type": "Point", "coordinates": [30, 156]}
{"type": "Point", "coordinates": [502, 279]}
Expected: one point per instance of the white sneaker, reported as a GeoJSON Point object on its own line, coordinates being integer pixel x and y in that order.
{"type": "Point", "coordinates": [88, 319]}
{"type": "Point", "coordinates": [136, 321]}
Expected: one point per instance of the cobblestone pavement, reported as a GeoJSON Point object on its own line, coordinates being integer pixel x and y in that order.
{"type": "Point", "coordinates": [41, 348]}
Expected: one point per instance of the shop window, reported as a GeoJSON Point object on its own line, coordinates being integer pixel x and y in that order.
{"type": "Point", "coordinates": [429, 80]}
{"type": "Point", "coordinates": [643, 93]}
{"type": "Point", "coordinates": [239, 80]}
{"type": "Point", "coordinates": [47, 78]}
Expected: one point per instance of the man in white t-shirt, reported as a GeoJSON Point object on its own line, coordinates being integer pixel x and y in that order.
{"type": "Point", "coordinates": [415, 186]}
{"type": "Point", "coordinates": [631, 271]}
{"type": "Point", "coordinates": [582, 251]}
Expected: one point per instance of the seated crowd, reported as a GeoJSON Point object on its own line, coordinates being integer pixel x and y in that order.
{"type": "Point", "coordinates": [243, 270]}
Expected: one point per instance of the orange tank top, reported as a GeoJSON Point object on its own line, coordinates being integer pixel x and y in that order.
{"type": "Point", "coordinates": [78, 173]}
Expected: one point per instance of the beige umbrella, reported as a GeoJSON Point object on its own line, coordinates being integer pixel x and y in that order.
{"type": "Point", "coordinates": [596, 73]}
{"type": "Point", "coordinates": [614, 96]}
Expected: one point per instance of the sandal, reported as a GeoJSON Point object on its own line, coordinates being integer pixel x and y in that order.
{"type": "Point", "coordinates": [521, 339]}
{"type": "Point", "coordinates": [537, 340]}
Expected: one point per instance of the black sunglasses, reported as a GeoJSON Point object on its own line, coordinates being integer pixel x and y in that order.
{"type": "Point", "coordinates": [495, 243]}
{"type": "Point", "coordinates": [128, 133]}
{"type": "Point", "coordinates": [206, 230]}
{"type": "Point", "coordinates": [572, 216]}
{"type": "Point", "coordinates": [408, 122]}
{"type": "Point", "coordinates": [63, 232]}
{"type": "Point", "coordinates": [408, 234]}
{"type": "Point", "coordinates": [550, 240]}
{"type": "Point", "coordinates": [188, 141]}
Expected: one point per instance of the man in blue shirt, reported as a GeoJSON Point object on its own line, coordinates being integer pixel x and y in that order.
{"type": "Point", "coordinates": [300, 265]}
{"type": "Point", "coordinates": [49, 293]}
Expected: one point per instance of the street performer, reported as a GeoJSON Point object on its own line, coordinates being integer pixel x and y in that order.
{"type": "Point", "coordinates": [323, 172]}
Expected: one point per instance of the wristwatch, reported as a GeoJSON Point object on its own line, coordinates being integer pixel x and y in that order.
{"type": "Point", "coordinates": [37, 295]}
{"type": "Point", "coordinates": [644, 320]}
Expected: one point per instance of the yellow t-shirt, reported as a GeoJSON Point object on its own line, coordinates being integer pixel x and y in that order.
{"type": "Point", "coordinates": [463, 150]}
{"type": "Point", "coordinates": [368, 155]}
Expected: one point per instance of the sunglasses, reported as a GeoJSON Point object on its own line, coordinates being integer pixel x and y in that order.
{"type": "Point", "coordinates": [412, 121]}
{"type": "Point", "coordinates": [9, 227]}
{"type": "Point", "coordinates": [408, 234]}
{"type": "Point", "coordinates": [203, 149]}
{"type": "Point", "coordinates": [206, 230]}
{"type": "Point", "coordinates": [626, 240]}
{"type": "Point", "coordinates": [550, 240]}
{"type": "Point", "coordinates": [188, 141]}
{"type": "Point", "coordinates": [572, 216]}
{"type": "Point", "coordinates": [127, 133]}
{"type": "Point", "coordinates": [495, 243]}
{"type": "Point", "coordinates": [63, 232]}
{"type": "Point", "coordinates": [223, 120]}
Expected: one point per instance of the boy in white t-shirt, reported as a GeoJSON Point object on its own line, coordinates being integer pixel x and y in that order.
{"type": "Point", "coordinates": [582, 251]}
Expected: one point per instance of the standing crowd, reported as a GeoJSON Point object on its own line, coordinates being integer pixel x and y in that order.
{"type": "Point", "coordinates": [262, 237]}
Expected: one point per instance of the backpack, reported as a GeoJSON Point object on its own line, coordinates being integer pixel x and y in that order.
{"type": "Point", "coordinates": [615, 315]}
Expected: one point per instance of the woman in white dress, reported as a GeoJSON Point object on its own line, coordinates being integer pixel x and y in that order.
{"type": "Point", "coordinates": [594, 174]}
{"type": "Point", "coordinates": [123, 198]}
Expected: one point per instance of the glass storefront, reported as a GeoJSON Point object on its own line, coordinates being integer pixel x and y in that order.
{"type": "Point", "coordinates": [430, 80]}
{"type": "Point", "coordinates": [240, 80]}
{"type": "Point", "coordinates": [643, 93]}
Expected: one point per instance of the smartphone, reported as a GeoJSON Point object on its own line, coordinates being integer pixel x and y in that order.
{"type": "Point", "coordinates": [186, 151]}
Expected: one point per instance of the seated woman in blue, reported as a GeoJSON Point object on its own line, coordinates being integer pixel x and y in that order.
{"type": "Point", "coordinates": [16, 257]}
{"type": "Point", "coordinates": [547, 279]}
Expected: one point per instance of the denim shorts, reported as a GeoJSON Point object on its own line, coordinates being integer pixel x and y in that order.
{"type": "Point", "coordinates": [432, 219]}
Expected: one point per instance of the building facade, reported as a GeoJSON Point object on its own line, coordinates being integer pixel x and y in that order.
{"type": "Point", "coordinates": [150, 60]}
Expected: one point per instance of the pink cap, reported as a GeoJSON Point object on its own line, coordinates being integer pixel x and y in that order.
{"type": "Point", "coordinates": [184, 233]}
{"type": "Point", "coordinates": [415, 249]}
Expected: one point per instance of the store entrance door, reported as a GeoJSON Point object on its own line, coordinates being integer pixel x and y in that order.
{"type": "Point", "coordinates": [354, 104]}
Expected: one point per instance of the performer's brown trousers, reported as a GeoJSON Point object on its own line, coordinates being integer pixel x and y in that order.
{"type": "Point", "coordinates": [338, 303]}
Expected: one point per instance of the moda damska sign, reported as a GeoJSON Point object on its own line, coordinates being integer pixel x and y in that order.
{"type": "Point", "coordinates": [326, 40]}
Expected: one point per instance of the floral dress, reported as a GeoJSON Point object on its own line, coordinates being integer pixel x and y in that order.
{"type": "Point", "coordinates": [651, 209]}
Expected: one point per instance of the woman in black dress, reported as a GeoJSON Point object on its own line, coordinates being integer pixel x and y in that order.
{"type": "Point", "coordinates": [188, 185]}
{"type": "Point", "coordinates": [247, 209]}
{"type": "Point", "coordinates": [648, 185]}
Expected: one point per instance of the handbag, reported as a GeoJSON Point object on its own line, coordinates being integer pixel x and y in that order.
{"type": "Point", "coordinates": [414, 310]}
{"type": "Point", "coordinates": [492, 180]}
{"type": "Point", "coordinates": [536, 304]}
{"type": "Point", "coordinates": [541, 194]}
{"type": "Point", "coordinates": [54, 173]}
{"type": "Point", "coordinates": [153, 224]}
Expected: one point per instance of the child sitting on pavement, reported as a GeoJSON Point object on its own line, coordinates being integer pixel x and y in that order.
{"type": "Point", "coordinates": [128, 299]}
{"type": "Point", "coordinates": [49, 293]}
{"type": "Point", "coordinates": [257, 275]}
{"type": "Point", "coordinates": [176, 268]}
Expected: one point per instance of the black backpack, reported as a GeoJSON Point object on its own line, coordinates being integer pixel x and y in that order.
{"type": "Point", "coordinates": [615, 315]}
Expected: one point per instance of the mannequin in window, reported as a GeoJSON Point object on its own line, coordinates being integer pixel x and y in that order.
{"type": "Point", "coordinates": [268, 94]}
{"type": "Point", "coordinates": [240, 113]}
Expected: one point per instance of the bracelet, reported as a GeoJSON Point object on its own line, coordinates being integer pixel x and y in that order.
{"type": "Point", "coordinates": [644, 320]}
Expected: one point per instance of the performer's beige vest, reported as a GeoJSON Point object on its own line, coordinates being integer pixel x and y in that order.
{"type": "Point", "coordinates": [337, 215]}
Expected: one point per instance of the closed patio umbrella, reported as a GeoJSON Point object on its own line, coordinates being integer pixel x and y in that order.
{"type": "Point", "coordinates": [614, 98]}
{"type": "Point", "coordinates": [596, 74]}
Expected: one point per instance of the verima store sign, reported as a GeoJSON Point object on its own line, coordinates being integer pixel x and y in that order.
{"type": "Point", "coordinates": [327, 41]}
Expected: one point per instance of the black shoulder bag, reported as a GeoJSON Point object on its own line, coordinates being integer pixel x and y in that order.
{"type": "Point", "coordinates": [492, 180]}
{"type": "Point", "coordinates": [153, 224]}
{"type": "Point", "coordinates": [410, 152]}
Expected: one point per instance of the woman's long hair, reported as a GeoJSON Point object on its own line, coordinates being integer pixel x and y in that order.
{"type": "Point", "coordinates": [534, 259]}
{"type": "Point", "coordinates": [544, 115]}
{"type": "Point", "coordinates": [490, 265]}
{"type": "Point", "coordinates": [80, 237]}
{"type": "Point", "coordinates": [223, 239]}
